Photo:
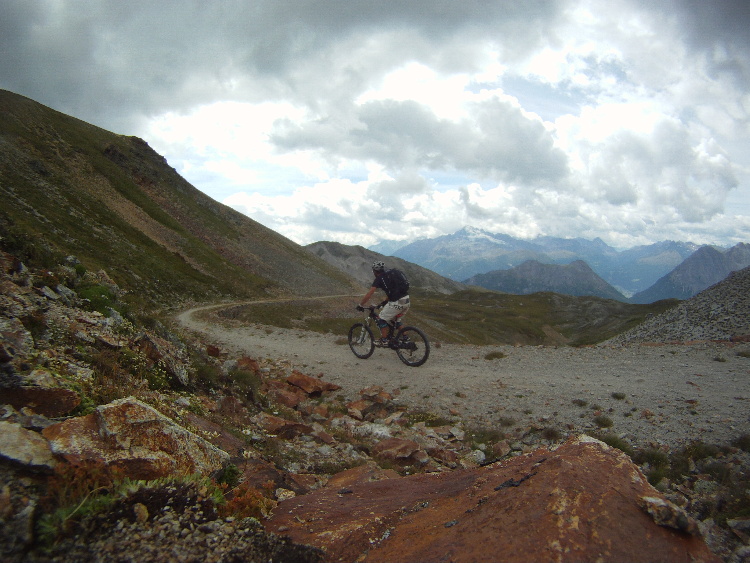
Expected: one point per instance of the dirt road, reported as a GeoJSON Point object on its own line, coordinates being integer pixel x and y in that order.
{"type": "Point", "coordinates": [668, 394]}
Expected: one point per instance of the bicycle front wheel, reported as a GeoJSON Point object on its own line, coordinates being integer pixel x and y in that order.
{"type": "Point", "coordinates": [412, 346]}
{"type": "Point", "coordinates": [361, 341]}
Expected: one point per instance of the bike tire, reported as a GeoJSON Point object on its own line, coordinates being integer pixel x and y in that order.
{"type": "Point", "coordinates": [361, 341]}
{"type": "Point", "coordinates": [413, 346]}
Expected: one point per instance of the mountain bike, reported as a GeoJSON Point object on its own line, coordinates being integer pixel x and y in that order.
{"type": "Point", "coordinates": [409, 342]}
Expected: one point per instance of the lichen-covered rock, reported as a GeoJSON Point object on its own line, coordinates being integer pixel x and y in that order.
{"type": "Point", "coordinates": [135, 437]}
{"type": "Point", "coordinates": [47, 401]}
{"type": "Point", "coordinates": [24, 447]}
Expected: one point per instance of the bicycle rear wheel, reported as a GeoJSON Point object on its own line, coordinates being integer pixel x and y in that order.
{"type": "Point", "coordinates": [361, 341]}
{"type": "Point", "coordinates": [412, 346]}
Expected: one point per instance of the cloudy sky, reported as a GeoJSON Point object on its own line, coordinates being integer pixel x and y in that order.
{"type": "Point", "coordinates": [365, 120]}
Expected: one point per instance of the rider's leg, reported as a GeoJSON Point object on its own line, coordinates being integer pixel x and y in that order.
{"type": "Point", "coordinates": [384, 327]}
{"type": "Point", "coordinates": [392, 314]}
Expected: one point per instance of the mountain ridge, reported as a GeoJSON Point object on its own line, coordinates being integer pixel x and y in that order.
{"type": "Point", "coordinates": [356, 261]}
{"type": "Point", "coordinates": [576, 279]}
{"type": "Point", "coordinates": [705, 267]}
{"type": "Point", "coordinates": [71, 188]}
{"type": "Point", "coordinates": [661, 270]}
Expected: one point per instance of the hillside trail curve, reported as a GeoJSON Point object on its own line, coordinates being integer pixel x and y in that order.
{"type": "Point", "coordinates": [650, 394]}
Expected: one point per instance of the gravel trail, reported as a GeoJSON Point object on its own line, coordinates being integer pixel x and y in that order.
{"type": "Point", "coordinates": [666, 394]}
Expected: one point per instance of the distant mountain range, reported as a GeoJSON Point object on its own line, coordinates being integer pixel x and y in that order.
{"type": "Point", "coordinates": [644, 273]}
{"type": "Point", "coordinates": [705, 267]}
{"type": "Point", "coordinates": [576, 279]}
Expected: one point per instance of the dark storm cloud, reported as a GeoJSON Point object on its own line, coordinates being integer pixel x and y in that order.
{"type": "Point", "coordinates": [106, 61]}
{"type": "Point", "coordinates": [718, 30]}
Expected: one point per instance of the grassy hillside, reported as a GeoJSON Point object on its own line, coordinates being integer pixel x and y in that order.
{"type": "Point", "coordinates": [69, 188]}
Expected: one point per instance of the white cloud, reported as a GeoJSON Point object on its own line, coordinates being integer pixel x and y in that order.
{"type": "Point", "coordinates": [364, 120]}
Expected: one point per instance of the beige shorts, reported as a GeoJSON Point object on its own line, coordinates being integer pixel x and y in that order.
{"type": "Point", "coordinates": [394, 310]}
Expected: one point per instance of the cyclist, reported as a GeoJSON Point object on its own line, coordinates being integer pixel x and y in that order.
{"type": "Point", "coordinates": [396, 287]}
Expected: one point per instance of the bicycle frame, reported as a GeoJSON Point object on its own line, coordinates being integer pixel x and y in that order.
{"type": "Point", "coordinates": [410, 344]}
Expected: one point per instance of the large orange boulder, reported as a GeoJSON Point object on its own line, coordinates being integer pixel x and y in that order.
{"type": "Point", "coordinates": [583, 501]}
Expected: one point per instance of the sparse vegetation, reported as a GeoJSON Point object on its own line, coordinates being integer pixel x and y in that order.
{"type": "Point", "coordinates": [618, 396]}
{"type": "Point", "coordinates": [476, 435]}
{"type": "Point", "coordinates": [248, 502]}
{"type": "Point", "coordinates": [506, 421]}
{"type": "Point", "coordinates": [616, 442]}
{"type": "Point", "coordinates": [494, 355]}
{"type": "Point", "coordinates": [552, 434]}
{"type": "Point", "coordinates": [603, 421]}
{"type": "Point", "coordinates": [428, 418]}
{"type": "Point", "coordinates": [742, 442]}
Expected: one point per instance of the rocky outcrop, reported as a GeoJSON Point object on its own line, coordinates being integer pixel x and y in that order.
{"type": "Point", "coordinates": [721, 312]}
{"type": "Point", "coordinates": [24, 447]}
{"type": "Point", "coordinates": [581, 502]}
{"type": "Point", "coordinates": [137, 439]}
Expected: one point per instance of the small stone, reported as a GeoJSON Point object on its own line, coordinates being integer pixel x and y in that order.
{"type": "Point", "coordinates": [141, 512]}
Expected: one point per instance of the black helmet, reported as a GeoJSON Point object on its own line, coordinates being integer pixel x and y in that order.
{"type": "Point", "coordinates": [378, 266]}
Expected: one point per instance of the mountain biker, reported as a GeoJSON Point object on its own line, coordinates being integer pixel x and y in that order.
{"type": "Point", "coordinates": [396, 287]}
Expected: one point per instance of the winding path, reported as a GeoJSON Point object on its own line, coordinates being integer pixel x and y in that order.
{"type": "Point", "coordinates": [670, 394]}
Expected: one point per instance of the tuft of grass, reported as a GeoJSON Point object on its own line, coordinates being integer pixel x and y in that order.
{"type": "Point", "coordinates": [552, 434]}
{"type": "Point", "coordinates": [742, 442]}
{"type": "Point", "coordinates": [483, 435]}
{"type": "Point", "coordinates": [247, 382]}
{"type": "Point", "coordinates": [580, 402]}
{"type": "Point", "coordinates": [603, 421]}
{"type": "Point", "coordinates": [506, 421]}
{"type": "Point", "coordinates": [99, 298]}
{"type": "Point", "coordinates": [229, 475]}
{"type": "Point", "coordinates": [248, 502]}
{"type": "Point", "coordinates": [428, 418]}
{"type": "Point", "coordinates": [497, 355]}
{"type": "Point", "coordinates": [618, 396]}
{"type": "Point", "coordinates": [616, 442]}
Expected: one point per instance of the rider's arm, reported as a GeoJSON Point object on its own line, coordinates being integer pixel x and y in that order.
{"type": "Point", "coordinates": [366, 298]}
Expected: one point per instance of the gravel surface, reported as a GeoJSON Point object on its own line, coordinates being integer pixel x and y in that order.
{"type": "Point", "coordinates": [662, 394]}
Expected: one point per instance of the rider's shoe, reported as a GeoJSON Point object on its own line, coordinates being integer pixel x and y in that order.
{"type": "Point", "coordinates": [384, 342]}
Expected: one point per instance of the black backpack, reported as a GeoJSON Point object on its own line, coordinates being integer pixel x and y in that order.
{"type": "Point", "coordinates": [395, 284]}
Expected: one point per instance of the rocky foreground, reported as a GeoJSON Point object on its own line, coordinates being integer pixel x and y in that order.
{"type": "Point", "coordinates": [125, 443]}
